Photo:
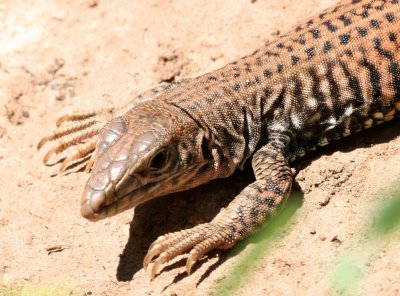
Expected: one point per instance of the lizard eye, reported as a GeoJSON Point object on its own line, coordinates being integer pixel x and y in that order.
{"type": "Point", "coordinates": [160, 160]}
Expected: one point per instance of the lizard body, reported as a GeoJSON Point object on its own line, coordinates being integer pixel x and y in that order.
{"type": "Point", "coordinates": [337, 73]}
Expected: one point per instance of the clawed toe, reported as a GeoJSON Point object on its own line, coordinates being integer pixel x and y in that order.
{"type": "Point", "coordinates": [66, 130]}
{"type": "Point", "coordinates": [76, 130]}
{"type": "Point", "coordinates": [78, 153]}
{"type": "Point", "coordinates": [72, 139]}
{"type": "Point", "coordinates": [199, 240]}
{"type": "Point", "coordinates": [76, 116]}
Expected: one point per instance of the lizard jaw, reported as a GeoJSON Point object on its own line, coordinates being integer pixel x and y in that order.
{"type": "Point", "coordinates": [94, 207]}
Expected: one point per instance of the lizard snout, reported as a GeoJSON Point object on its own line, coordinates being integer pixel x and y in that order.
{"type": "Point", "coordinates": [93, 200]}
{"type": "Point", "coordinates": [92, 205]}
{"type": "Point", "coordinates": [98, 194]}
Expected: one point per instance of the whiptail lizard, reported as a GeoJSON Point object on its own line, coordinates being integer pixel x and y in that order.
{"type": "Point", "coordinates": [337, 73]}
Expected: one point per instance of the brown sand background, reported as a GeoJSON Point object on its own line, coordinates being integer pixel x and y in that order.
{"type": "Point", "coordinates": [59, 56]}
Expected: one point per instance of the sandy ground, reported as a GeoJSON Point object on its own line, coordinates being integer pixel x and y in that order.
{"type": "Point", "coordinates": [59, 56]}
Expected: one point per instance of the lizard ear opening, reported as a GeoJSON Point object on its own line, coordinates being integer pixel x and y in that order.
{"type": "Point", "coordinates": [205, 149]}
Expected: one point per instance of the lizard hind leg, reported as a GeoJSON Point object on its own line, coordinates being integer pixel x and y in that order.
{"type": "Point", "coordinates": [249, 209]}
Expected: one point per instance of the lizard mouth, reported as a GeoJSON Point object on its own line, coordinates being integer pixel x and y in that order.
{"type": "Point", "coordinates": [95, 205]}
{"type": "Point", "coordinates": [95, 208]}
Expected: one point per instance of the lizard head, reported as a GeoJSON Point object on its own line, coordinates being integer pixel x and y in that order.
{"type": "Point", "coordinates": [149, 152]}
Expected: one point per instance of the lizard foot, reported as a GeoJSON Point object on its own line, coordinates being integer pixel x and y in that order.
{"type": "Point", "coordinates": [199, 240]}
{"type": "Point", "coordinates": [78, 130]}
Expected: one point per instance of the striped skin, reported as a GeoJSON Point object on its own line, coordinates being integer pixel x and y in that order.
{"type": "Point", "coordinates": [335, 74]}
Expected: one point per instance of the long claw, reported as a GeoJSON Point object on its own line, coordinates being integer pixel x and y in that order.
{"type": "Point", "coordinates": [48, 155]}
{"type": "Point", "coordinates": [158, 246]}
{"type": "Point", "coordinates": [164, 242]}
{"type": "Point", "coordinates": [77, 130]}
{"type": "Point", "coordinates": [90, 163]}
{"type": "Point", "coordinates": [189, 264]}
{"type": "Point", "coordinates": [79, 152]}
{"type": "Point", "coordinates": [200, 239]}
{"type": "Point", "coordinates": [66, 130]}
{"type": "Point", "coordinates": [169, 254]}
{"type": "Point", "coordinates": [42, 142]}
{"type": "Point", "coordinates": [157, 265]}
{"type": "Point", "coordinates": [70, 140]}
{"type": "Point", "coordinates": [201, 249]}
{"type": "Point", "coordinates": [152, 253]}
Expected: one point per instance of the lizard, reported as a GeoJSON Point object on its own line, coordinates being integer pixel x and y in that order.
{"type": "Point", "coordinates": [335, 74]}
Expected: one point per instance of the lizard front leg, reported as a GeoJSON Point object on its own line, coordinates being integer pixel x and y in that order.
{"type": "Point", "coordinates": [249, 209]}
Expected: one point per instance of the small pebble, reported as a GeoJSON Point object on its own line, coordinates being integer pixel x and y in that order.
{"type": "Point", "coordinates": [325, 201]}
{"type": "Point", "coordinates": [93, 3]}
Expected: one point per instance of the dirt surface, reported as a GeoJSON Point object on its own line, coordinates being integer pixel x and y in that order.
{"type": "Point", "coordinates": [59, 56]}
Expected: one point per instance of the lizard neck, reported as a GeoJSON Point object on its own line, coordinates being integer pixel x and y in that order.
{"type": "Point", "coordinates": [233, 121]}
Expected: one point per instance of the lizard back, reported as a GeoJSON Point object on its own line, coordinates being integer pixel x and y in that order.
{"type": "Point", "coordinates": [335, 74]}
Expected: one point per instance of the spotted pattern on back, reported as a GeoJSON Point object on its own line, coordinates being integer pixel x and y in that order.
{"type": "Point", "coordinates": [323, 80]}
